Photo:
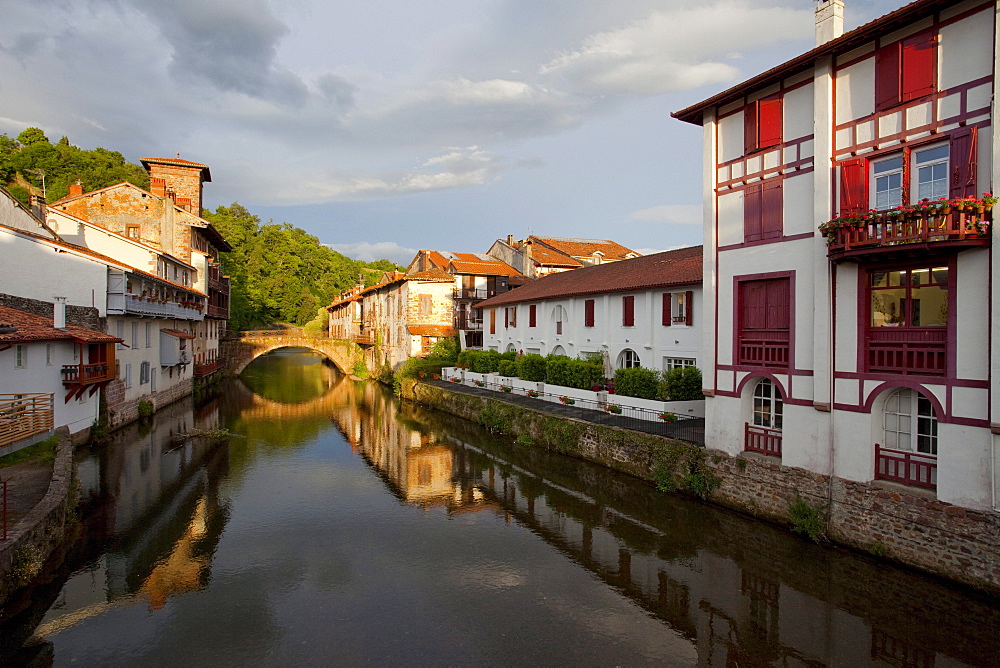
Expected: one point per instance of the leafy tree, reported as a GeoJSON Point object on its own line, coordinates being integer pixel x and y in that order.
{"type": "Point", "coordinates": [32, 136]}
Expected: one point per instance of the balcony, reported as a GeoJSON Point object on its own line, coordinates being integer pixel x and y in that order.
{"type": "Point", "coordinates": [23, 416]}
{"type": "Point", "coordinates": [900, 234]}
{"type": "Point", "coordinates": [909, 468]}
{"type": "Point", "coordinates": [907, 350]}
{"type": "Point", "coordinates": [205, 369]}
{"type": "Point", "coordinates": [365, 339]}
{"type": "Point", "coordinates": [469, 322]}
{"type": "Point", "coordinates": [220, 284]}
{"type": "Point", "coordinates": [472, 293]}
{"type": "Point", "coordinates": [764, 347]}
{"type": "Point", "coordinates": [128, 304]}
{"type": "Point", "coordinates": [87, 374]}
{"type": "Point", "coordinates": [218, 312]}
{"type": "Point", "coordinates": [762, 440]}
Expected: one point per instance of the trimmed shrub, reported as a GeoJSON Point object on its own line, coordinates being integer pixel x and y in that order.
{"type": "Point", "coordinates": [637, 382]}
{"type": "Point", "coordinates": [480, 361]}
{"type": "Point", "coordinates": [510, 355]}
{"type": "Point", "coordinates": [682, 384]}
{"type": "Point", "coordinates": [445, 351]}
{"type": "Point", "coordinates": [581, 374]}
{"type": "Point", "coordinates": [531, 367]}
{"type": "Point", "coordinates": [508, 368]}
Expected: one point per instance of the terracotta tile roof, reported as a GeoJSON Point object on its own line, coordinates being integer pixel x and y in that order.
{"type": "Point", "coordinates": [544, 255]}
{"type": "Point", "coordinates": [31, 327]}
{"type": "Point", "coordinates": [672, 268]}
{"type": "Point", "coordinates": [431, 330]}
{"type": "Point", "coordinates": [883, 25]}
{"type": "Point", "coordinates": [179, 333]}
{"type": "Point", "coordinates": [479, 264]}
{"type": "Point", "coordinates": [429, 275]}
{"type": "Point", "coordinates": [585, 247]}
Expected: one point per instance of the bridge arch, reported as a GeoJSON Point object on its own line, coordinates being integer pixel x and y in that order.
{"type": "Point", "coordinates": [237, 353]}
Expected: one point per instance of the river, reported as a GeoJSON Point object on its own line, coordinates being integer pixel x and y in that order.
{"type": "Point", "coordinates": [338, 526]}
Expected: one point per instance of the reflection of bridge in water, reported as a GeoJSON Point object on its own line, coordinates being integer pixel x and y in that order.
{"type": "Point", "coordinates": [743, 592]}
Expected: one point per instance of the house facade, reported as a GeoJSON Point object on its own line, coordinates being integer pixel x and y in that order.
{"type": "Point", "coordinates": [476, 276]}
{"type": "Point", "coordinates": [645, 311]}
{"type": "Point", "coordinates": [539, 256]}
{"type": "Point", "coordinates": [861, 350]}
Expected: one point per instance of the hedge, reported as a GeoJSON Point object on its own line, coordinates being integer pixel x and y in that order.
{"type": "Point", "coordinates": [637, 382]}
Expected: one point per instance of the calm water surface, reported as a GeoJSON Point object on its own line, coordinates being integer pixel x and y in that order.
{"type": "Point", "coordinates": [341, 527]}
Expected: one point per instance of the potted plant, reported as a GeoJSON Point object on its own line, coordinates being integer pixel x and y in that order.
{"type": "Point", "coordinates": [569, 401]}
{"type": "Point", "coordinates": [614, 409]}
{"type": "Point", "coordinates": [532, 393]}
{"type": "Point", "coordinates": [668, 417]}
{"type": "Point", "coordinates": [480, 383]}
{"type": "Point", "coordinates": [506, 388]}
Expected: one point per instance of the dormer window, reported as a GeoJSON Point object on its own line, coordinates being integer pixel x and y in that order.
{"type": "Point", "coordinates": [132, 232]}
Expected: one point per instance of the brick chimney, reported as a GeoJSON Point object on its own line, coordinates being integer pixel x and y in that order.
{"type": "Point", "coordinates": [158, 187]}
{"type": "Point", "coordinates": [76, 189]}
{"type": "Point", "coordinates": [829, 20]}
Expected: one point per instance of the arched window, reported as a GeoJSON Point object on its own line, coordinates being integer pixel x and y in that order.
{"type": "Point", "coordinates": [511, 348]}
{"type": "Point", "coordinates": [558, 317]}
{"type": "Point", "coordinates": [628, 359]}
{"type": "Point", "coordinates": [558, 350]}
{"type": "Point", "coordinates": [908, 452]}
{"type": "Point", "coordinates": [763, 430]}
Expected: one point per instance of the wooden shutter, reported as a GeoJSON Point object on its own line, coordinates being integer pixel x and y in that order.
{"type": "Point", "coordinates": [962, 161]}
{"type": "Point", "coordinates": [751, 213]}
{"type": "Point", "coordinates": [769, 122]}
{"type": "Point", "coordinates": [853, 186]}
{"type": "Point", "coordinates": [513, 316]}
{"type": "Point", "coordinates": [778, 306]}
{"type": "Point", "coordinates": [506, 317]}
{"type": "Point", "coordinates": [919, 65]}
{"type": "Point", "coordinates": [667, 316]}
{"type": "Point", "coordinates": [887, 76]}
{"type": "Point", "coordinates": [688, 308]}
{"type": "Point", "coordinates": [750, 134]}
{"type": "Point", "coordinates": [531, 315]}
{"type": "Point", "coordinates": [628, 311]}
{"type": "Point", "coordinates": [588, 313]}
{"type": "Point", "coordinates": [771, 209]}
{"type": "Point", "coordinates": [493, 321]}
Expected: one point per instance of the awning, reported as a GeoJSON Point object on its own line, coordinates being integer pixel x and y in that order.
{"type": "Point", "coordinates": [178, 333]}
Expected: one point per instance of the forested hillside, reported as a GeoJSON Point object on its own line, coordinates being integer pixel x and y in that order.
{"type": "Point", "coordinates": [279, 272]}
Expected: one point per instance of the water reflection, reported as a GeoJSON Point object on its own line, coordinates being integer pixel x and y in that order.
{"type": "Point", "coordinates": [341, 526]}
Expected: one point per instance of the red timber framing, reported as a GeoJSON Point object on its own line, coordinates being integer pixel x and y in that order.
{"type": "Point", "coordinates": [92, 375]}
{"type": "Point", "coordinates": [762, 440]}
{"type": "Point", "coordinates": [763, 319]}
{"type": "Point", "coordinates": [909, 468]}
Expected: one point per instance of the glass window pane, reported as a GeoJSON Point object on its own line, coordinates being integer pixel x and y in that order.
{"type": "Point", "coordinates": [929, 307]}
{"type": "Point", "coordinates": [888, 308]}
{"type": "Point", "coordinates": [880, 279]}
{"type": "Point", "coordinates": [931, 154]}
{"type": "Point", "coordinates": [888, 165]}
{"type": "Point", "coordinates": [939, 275]}
{"type": "Point", "coordinates": [897, 278]}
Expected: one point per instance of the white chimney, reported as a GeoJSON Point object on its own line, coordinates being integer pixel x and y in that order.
{"type": "Point", "coordinates": [829, 20]}
{"type": "Point", "coordinates": [59, 313]}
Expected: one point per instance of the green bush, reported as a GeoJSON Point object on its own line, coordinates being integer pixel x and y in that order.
{"type": "Point", "coordinates": [445, 352]}
{"type": "Point", "coordinates": [480, 361]}
{"type": "Point", "coordinates": [510, 355]}
{"type": "Point", "coordinates": [507, 368]}
{"type": "Point", "coordinates": [637, 382]}
{"type": "Point", "coordinates": [681, 384]}
{"type": "Point", "coordinates": [145, 409]}
{"type": "Point", "coordinates": [581, 374]}
{"type": "Point", "coordinates": [531, 367]}
{"type": "Point", "coordinates": [807, 520]}
{"type": "Point", "coordinates": [412, 367]}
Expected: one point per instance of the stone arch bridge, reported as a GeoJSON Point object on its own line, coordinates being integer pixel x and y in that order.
{"type": "Point", "coordinates": [242, 348]}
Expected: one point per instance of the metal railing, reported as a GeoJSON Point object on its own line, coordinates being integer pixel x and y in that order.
{"type": "Point", "coordinates": [473, 293]}
{"type": "Point", "coordinates": [892, 229]}
{"type": "Point", "coordinates": [910, 468]}
{"type": "Point", "coordinates": [761, 439]}
{"type": "Point", "coordinates": [24, 415]}
{"type": "Point", "coordinates": [609, 412]}
{"type": "Point", "coordinates": [134, 304]}
{"type": "Point", "coordinates": [466, 322]}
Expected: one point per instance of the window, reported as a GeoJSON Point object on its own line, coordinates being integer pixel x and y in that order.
{"type": "Point", "coordinates": [588, 313]}
{"type": "Point", "coordinates": [910, 435]}
{"type": "Point", "coordinates": [135, 335]}
{"type": "Point", "coordinates": [149, 329]}
{"type": "Point", "coordinates": [931, 166]}
{"type": "Point", "coordinates": [132, 231]}
{"type": "Point", "coordinates": [628, 359]}
{"type": "Point", "coordinates": [558, 317]}
{"type": "Point", "coordinates": [762, 211]}
{"type": "Point", "coordinates": [677, 363]}
{"type": "Point", "coordinates": [532, 313]}
{"type": "Point", "coordinates": [144, 373]}
{"type": "Point", "coordinates": [678, 308]}
{"type": "Point", "coordinates": [510, 316]}
{"type": "Point", "coordinates": [20, 356]}
{"type": "Point", "coordinates": [762, 124]}
{"type": "Point", "coordinates": [908, 318]}
{"type": "Point", "coordinates": [887, 183]}
{"type": "Point", "coordinates": [764, 315]}
{"type": "Point", "coordinates": [425, 305]}
{"type": "Point", "coordinates": [128, 376]}
{"type": "Point", "coordinates": [628, 311]}
{"type": "Point", "coordinates": [493, 321]}
{"type": "Point", "coordinates": [48, 354]}
{"type": "Point", "coordinates": [905, 70]}
{"type": "Point", "coordinates": [763, 431]}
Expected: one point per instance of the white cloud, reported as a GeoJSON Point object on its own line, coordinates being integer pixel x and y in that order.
{"type": "Point", "coordinates": [674, 214]}
{"type": "Point", "coordinates": [675, 49]}
{"type": "Point", "coordinates": [380, 250]}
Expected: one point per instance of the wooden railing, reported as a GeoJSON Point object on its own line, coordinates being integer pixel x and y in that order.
{"type": "Point", "coordinates": [909, 351]}
{"type": "Point", "coordinates": [24, 415]}
{"type": "Point", "coordinates": [764, 347]}
{"type": "Point", "coordinates": [962, 228]}
{"type": "Point", "coordinates": [218, 311]}
{"type": "Point", "coordinates": [763, 440]}
{"type": "Point", "coordinates": [365, 338]}
{"type": "Point", "coordinates": [910, 468]}
{"type": "Point", "coordinates": [205, 369]}
{"type": "Point", "coordinates": [84, 374]}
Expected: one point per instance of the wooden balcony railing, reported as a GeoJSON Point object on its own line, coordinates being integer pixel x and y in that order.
{"type": "Point", "coordinates": [888, 231]}
{"type": "Point", "coordinates": [24, 415]}
{"type": "Point", "coordinates": [365, 339]}
{"type": "Point", "coordinates": [87, 374]}
{"type": "Point", "coordinates": [205, 369]}
{"type": "Point", "coordinates": [763, 440]}
{"type": "Point", "coordinates": [218, 311]}
{"type": "Point", "coordinates": [219, 284]}
{"type": "Point", "coordinates": [908, 351]}
{"type": "Point", "coordinates": [910, 468]}
{"type": "Point", "coordinates": [764, 347]}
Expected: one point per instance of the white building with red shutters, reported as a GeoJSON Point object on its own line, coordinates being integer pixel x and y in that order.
{"type": "Point", "coordinates": [865, 354]}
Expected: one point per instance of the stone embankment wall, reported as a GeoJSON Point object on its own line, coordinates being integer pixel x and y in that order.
{"type": "Point", "coordinates": [32, 541]}
{"type": "Point", "coordinates": [122, 412]}
{"type": "Point", "coordinates": [898, 523]}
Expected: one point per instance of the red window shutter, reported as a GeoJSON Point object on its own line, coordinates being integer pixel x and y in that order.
{"type": "Point", "coordinates": [513, 316]}
{"type": "Point", "coordinates": [506, 318]}
{"type": "Point", "coordinates": [962, 161]}
{"type": "Point", "coordinates": [887, 76]}
{"type": "Point", "coordinates": [919, 58]}
{"type": "Point", "coordinates": [531, 315]}
{"type": "Point", "coordinates": [493, 321]}
{"type": "Point", "coordinates": [666, 309]}
{"type": "Point", "coordinates": [751, 213]}
{"type": "Point", "coordinates": [771, 209]}
{"type": "Point", "coordinates": [750, 135]}
{"type": "Point", "coordinates": [628, 311]}
{"type": "Point", "coordinates": [778, 306]}
{"type": "Point", "coordinates": [689, 308]}
{"type": "Point", "coordinates": [853, 186]}
{"type": "Point", "coordinates": [769, 122]}
{"type": "Point", "coordinates": [588, 313]}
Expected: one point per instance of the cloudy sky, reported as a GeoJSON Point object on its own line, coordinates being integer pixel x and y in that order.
{"type": "Point", "coordinates": [386, 126]}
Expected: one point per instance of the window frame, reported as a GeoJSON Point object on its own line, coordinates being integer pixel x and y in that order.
{"type": "Point", "coordinates": [628, 359]}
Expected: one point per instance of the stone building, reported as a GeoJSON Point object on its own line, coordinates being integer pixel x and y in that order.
{"type": "Point", "coordinates": [539, 256]}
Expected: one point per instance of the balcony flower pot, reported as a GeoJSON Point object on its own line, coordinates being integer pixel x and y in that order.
{"type": "Point", "coordinates": [614, 409]}
{"type": "Point", "coordinates": [569, 401]}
